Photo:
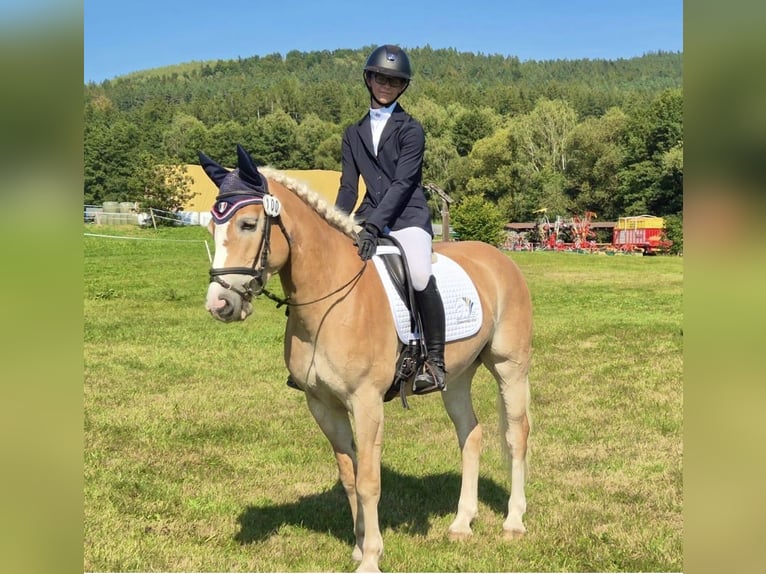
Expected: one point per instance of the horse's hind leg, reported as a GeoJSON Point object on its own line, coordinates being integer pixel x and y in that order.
{"type": "Point", "coordinates": [335, 424]}
{"type": "Point", "coordinates": [513, 382]}
{"type": "Point", "coordinates": [457, 401]}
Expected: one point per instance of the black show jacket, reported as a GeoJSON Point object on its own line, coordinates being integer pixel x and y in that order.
{"type": "Point", "coordinates": [395, 196]}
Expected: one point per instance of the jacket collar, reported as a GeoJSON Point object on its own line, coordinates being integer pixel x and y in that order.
{"type": "Point", "coordinates": [365, 132]}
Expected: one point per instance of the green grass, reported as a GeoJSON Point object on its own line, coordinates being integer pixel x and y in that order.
{"type": "Point", "coordinates": [199, 458]}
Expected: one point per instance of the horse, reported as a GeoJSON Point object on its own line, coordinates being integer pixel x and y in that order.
{"type": "Point", "coordinates": [340, 345]}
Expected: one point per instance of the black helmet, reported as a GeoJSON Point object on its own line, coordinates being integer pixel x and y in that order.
{"type": "Point", "coordinates": [389, 60]}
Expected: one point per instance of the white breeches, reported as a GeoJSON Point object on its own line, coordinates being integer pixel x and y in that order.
{"type": "Point", "coordinates": [416, 244]}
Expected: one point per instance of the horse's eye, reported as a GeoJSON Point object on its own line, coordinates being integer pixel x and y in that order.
{"type": "Point", "coordinates": [248, 224]}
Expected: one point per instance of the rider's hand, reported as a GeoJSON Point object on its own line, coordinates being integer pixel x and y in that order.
{"type": "Point", "coordinates": [367, 240]}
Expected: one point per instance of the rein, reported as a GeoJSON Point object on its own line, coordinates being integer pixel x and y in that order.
{"type": "Point", "coordinates": [271, 208]}
{"type": "Point", "coordinates": [338, 290]}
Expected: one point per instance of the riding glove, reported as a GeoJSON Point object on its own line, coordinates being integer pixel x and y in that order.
{"type": "Point", "coordinates": [367, 240]}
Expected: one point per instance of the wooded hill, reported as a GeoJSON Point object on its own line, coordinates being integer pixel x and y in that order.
{"type": "Point", "coordinates": [569, 135]}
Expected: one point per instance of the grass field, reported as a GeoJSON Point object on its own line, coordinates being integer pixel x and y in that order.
{"type": "Point", "coordinates": [199, 458]}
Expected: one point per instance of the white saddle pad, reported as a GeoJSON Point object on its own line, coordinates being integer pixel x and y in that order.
{"type": "Point", "coordinates": [462, 307]}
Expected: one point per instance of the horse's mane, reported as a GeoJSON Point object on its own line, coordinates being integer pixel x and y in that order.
{"type": "Point", "coordinates": [332, 215]}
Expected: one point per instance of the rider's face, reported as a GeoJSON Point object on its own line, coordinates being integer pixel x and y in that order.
{"type": "Point", "coordinates": [383, 90]}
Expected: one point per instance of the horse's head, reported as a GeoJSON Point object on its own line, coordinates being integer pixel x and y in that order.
{"type": "Point", "coordinates": [241, 227]}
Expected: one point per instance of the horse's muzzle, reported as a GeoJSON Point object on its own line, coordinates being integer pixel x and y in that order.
{"type": "Point", "coordinates": [226, 305]}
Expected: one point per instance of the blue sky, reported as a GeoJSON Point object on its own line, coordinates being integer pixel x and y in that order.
{"type": "Point", "coordinates": [123, 37]}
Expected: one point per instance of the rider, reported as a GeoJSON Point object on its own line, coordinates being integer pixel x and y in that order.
{"type": "Point", "coordinates": [386, 147]}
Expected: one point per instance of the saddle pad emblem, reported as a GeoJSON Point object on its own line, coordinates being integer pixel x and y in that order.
{"type": "Point", "coordinates": [462, 307]}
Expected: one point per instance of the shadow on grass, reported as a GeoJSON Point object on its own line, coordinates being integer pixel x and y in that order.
{"type": "Point", "coordinates": [407, 505]}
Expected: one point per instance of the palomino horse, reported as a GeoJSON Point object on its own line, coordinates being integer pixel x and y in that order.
{"type": "Point", "coordinates": [340, 343]}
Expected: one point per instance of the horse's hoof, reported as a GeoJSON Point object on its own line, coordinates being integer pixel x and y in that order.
{"type": "Point", "coordinates": [356, 555]}
{"type": "Point", "coordinates": [514, 534]}
{"type": "Point", "coordinates": [457, 535]}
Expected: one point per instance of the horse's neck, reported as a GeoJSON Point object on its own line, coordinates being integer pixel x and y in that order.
{"type": "Point", "coordinates": [322, 258]}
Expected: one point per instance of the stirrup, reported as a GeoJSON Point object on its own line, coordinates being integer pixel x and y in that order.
{"type": "Point", "coordinates": [427, 381]}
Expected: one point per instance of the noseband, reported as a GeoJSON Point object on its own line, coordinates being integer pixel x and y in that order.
{"type": "Point", "coordinates": [226, 205]}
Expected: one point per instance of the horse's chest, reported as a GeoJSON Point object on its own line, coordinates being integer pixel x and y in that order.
{"type": "Point", "coordinates": [338, 367]}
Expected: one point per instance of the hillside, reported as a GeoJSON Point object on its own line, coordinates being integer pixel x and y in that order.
{"type": "Point", "coordinates": [566, 135]}
{"type": "Point", "coordinates": [327, 83]}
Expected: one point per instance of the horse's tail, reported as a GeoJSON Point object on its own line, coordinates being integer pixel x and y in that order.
{"type": "Point", "coordinates": [502, 412]}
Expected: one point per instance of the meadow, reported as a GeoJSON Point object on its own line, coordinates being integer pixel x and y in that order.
{"type": "Point", "coordinates": [199, 458]}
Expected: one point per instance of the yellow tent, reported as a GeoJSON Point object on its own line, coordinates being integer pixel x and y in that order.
{"type": "Point", "coordinates": [324, 182]}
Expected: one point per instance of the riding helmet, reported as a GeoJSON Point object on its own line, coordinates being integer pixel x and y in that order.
{"type": "Point", "coordinates": [389, 60]}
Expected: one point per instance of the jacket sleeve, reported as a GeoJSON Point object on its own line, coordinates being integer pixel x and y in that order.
{"type": "Point", "coordinates": [349, 178]}
{"type": "Point", "coordinates": [409, 171]}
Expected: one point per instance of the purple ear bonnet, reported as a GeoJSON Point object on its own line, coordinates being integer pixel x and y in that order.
{"type": "Point", "coordinates": [237, 188]}
{"type": "Point", "coordinates": [232, 182]}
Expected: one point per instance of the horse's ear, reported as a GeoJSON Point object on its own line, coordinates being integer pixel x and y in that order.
{"type": "Point", "coordinates": [248, 171]}
{"type": "Point", "coordinates": [214, 171]}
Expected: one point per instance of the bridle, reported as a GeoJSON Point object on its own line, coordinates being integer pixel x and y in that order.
{"type": "Point", "coordinates": [271, 209]}
{"type": "Point", "coordinates": [256, 286]}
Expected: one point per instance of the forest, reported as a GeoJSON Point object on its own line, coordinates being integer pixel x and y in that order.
{"type": "Point", "coordinates": [569, 136]}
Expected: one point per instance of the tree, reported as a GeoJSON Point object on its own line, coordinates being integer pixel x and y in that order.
{"type": "Point", "coordinates": [666, 122]}
{"type": "Point", "coordinates": [272, 139]}
{"type": "Point", "coordinates": [438, 155]}
{"type": "Point", "coordinates": [477, 219]}
{"type": "Point", "coordinates": [95, 170]}
{"type": "Point", "coordinates": [326, 100]}
{"type": "Point", "coordinates": [471, 125]}
{"type": "Point", "coordinates": [652, 178]}
{"type": "Point", "coordinates": [596, 156]}
{"type": "Point", "coordinates": [545, 132]}
{"type": "Point", "coordinates": [327, 155]}
{"type": "Point", "coordinates": [184, 137]}
{"type": "Point", "coordinates": [458, 173]}
{"type": "Point", "coordinates": [638, 182]}
{"type": "Point", "coordinates": [160, 186]}
{"type": "Point", "coordinates": [222, 140]}
{"type": "Point", "coordinates": [310, 133]}
{"type": "Point", "coordinates": [674, 231]}
{"type": "Point", "coordinates": [110, 154]}
{"type": "Point", "coordinates": [655, 126]}
{"type": "Point", "coordinates": [492, 166]}
{"type": "Point", "coordinates": [548, 192]}
{"type": "Point", "coordinates": [668, 195]}
{"type": "Point", "coordinates": [433, 117]}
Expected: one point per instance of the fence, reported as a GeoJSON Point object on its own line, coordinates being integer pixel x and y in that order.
{"type": "Point", "coordinates": [127, 213]}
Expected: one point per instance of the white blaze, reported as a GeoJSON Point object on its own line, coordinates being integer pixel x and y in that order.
{"type": "Point", "coordinates": [219, 261]}
{"type": "Point", "coordinates": [219, 234]}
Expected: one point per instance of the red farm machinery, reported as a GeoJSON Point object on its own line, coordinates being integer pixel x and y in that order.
{"type": "Point", "coordinates": [637, 235]}
{"type": "Point", "coordinates": [641, 233]}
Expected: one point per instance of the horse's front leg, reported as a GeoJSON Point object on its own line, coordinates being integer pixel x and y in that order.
{"type": "Point", "coordinates": [368, 418]}
{"type": "Point", "coordinates": [335, 424]}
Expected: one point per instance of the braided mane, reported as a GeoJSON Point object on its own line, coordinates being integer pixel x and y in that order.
{"type": "Point", "coordinates": [335, 217]}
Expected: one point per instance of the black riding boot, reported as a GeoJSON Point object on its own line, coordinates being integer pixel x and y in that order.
{"type": "Point", "coordinates": [429, 303]}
